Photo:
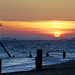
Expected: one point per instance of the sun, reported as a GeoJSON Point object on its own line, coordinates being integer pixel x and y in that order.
{"type": "Point", "coordinates": [57, 34]}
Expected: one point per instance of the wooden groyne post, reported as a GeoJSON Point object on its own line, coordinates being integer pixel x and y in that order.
{"type": "Point", "coordinates": [64, 54]}
{"type": "Point", "coordinates": [47, 54]}
{"type": "Point", "coordinates": [0, 66]}
{"type": "Point", "coordinates": [39, 60]}
{"type": "Point", "coordinates": [30, 55]}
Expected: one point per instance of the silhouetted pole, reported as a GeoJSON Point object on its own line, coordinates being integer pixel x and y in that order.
{"type": "Point", "coordinates": [39, 60]}
{"type": "Point", "coordinates": [0, 66]}
{"type": "Point", "coordinates": [5, 49]}
{"type": "Point", "coordinates": [64, 54]}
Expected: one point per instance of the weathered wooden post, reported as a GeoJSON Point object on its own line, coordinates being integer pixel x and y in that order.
{"type": "Point", "coordinates": [39, 60]}
{"type": "Point", "coordinates": [0, 66]}
{"type": "Point", "coordinates": [30, 55]}
{"type": "Point", "coordinates": [64, 54]}
{"type": "Point", "coordinates": [47, 54]}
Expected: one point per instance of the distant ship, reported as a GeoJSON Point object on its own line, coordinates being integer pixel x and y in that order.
{"type": "Point", "coordinates": [13, 39]}
{"type": "Point", "coordinates": [8, 38]}
{"type": "Point", "coordinates": [73, 39]}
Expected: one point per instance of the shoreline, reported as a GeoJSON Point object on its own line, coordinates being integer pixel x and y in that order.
{"type": "Point", "coordinates": [65, 68]}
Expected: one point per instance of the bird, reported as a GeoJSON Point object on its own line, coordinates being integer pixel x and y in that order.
{"type": "Point", "coordinates": [0, 24]}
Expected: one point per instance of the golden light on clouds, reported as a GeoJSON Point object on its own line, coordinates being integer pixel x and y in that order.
{"type": "Point", "coordinates": [26, 17]}
{"type": "Point", "coordinates": [41, 27]}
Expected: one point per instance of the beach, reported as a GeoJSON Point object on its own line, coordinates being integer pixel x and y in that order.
{"type": "Point", "coordinates": [67, 68]}
{"type": "Point", "coordinates": [22, 64]}
{"type": "Point", "coordinates": [37, 37]}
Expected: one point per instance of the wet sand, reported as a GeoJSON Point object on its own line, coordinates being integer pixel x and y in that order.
{"type": "Point", "coordinates": [67, 68]}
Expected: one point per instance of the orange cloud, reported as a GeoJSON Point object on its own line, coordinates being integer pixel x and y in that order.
{"type": "Point", "coordinates": [44, 27]}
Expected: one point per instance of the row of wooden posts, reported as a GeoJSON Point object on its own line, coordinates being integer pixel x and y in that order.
{"type": "Point", "coordinates": [47, 54]}
{"type": "Point", "coordinates": [38, 60]}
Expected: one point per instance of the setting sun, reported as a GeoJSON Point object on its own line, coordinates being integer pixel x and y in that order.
{"type": "Point", "coordinates": [57, 34]}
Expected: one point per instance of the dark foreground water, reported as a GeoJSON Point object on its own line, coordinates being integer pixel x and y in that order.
{"type": "Point", "coordinates": [22, 48]}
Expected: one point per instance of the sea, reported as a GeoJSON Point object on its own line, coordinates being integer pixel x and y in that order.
{"type": "Point", "coordinates": [20, 50]}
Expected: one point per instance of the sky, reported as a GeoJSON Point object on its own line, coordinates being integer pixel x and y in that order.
{"type": "Point", "coordinates": [37, 19]}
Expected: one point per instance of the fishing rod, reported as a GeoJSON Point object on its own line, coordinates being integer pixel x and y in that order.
{"type": "Point", "coordinates": [3, 46]}
{"type": "Point", "coordinates": [5, 50]}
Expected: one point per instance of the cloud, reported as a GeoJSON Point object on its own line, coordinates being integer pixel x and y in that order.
{"type": "Point", "coordinates": [45, 30]}
{"type": "Point", "coordinates": [73, 29]}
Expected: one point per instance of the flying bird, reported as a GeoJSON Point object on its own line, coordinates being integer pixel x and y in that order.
{"type": "Point", "coordinates": [0, 24]}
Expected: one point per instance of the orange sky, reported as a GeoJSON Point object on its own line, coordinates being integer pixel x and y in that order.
{"type": "Point", "coordinates": [41, 27]}
{"type": "Point", "coordinates": [37, 18]}
{"type": "Point", "coordinates": [36, 10]}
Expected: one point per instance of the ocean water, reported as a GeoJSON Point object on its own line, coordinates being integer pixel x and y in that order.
{"type": "Point", "coordinates": [22, 48]}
